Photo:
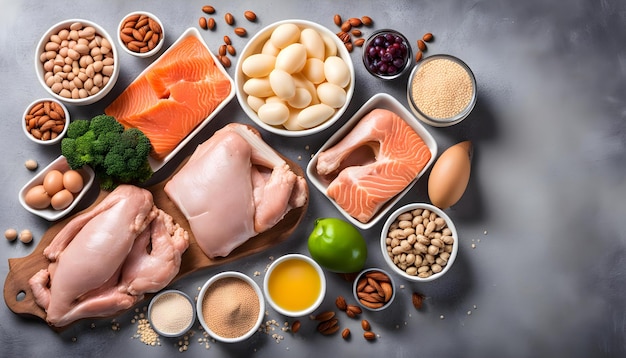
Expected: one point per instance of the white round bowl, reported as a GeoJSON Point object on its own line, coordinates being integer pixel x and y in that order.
{"type": "Point", "coordinates": [318, 300]}
{"type": "Point", "coordinates": [441, 122]}
{"type": "Point", "coordinates": [59, 135]}
{"type": "Point", "coordinates": [156, 48]}
{"type": "Point", "coordinates": [395, 268]}
{"type": "Point", "coordinates": [254, 46]}
{"type": "Point", "coordinates": [257, 290]}
{"type": "Point", "coordinates": [363, 274]}
{"type": "Point", "coordinates": [39, 66]}
{"type": "Point", "coordinates": [159, 329]}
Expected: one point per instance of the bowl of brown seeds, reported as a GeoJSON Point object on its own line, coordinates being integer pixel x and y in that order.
{"type": "Point", "coordinates": [419, 242]}
{"type": "Point", "coordinates": [45, 121]}
{"type": "Point", "coordinates": [141, 34]}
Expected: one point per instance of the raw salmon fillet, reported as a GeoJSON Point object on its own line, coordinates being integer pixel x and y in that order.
{"type": "Point", "coordinates": [361, 185]}
{"type": "Point", "coordinates": [181, 89]}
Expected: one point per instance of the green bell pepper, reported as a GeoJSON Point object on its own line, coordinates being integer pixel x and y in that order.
{"type": "Point", "coordinates": [337, 245]}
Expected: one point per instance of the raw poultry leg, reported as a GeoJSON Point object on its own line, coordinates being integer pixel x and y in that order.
{"type": "Point", "coordinates": [146, 271]}
{"type": "Point", "coordinates": [81, 280]}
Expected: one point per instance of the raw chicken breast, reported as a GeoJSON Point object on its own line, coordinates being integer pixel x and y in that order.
{"type": "Point", "coordinates": [233, 187]}
{"type": "Point", "coordinates": [99, 262]}
{"type": "Point", "coordinates": [362, 181]}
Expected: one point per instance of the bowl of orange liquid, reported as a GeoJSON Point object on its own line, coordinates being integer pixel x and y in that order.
{"type": "Point", "coordinates": [294, 285]}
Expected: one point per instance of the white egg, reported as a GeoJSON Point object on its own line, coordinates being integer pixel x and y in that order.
{"type": "Point", "coordinates": [301, 99]}
{"type": "Point", "coordinates": [284, 35]}
{"type": "Point", "coordinates": [282, 84]}
{"type": "Point", "coordinates": [292, 121]}
{"type": "Point", "coordinates": [315, 115]}
{"type": "Point", "coordinates": [314, 70]}
{"type": "Point", "coordinates": [258, 87]}
{"type": "Point", "coordinates": [329, 46]}
{"type": "Point", "coordinates": [292, 58]}
{"type": "Point", "coordinates": [269, 49]}
{"type": "Point", "coordinates": [273, 113]}
{"type": "Point", "coordinates": [313, 43]}
{"type": "Point", "coordinates": [331, 94]}
{"type": "Point", "coordinates": [258, 65]}
{"type": "Point", "coordinates": [255, 102]}
{"type": "Point", "coordinates": [303, 82]}
{"type": "Point", "coordinates": [336, 71]}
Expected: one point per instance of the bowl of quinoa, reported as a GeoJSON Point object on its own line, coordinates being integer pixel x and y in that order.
{"type": "Point", "coordinates": [441, 90]}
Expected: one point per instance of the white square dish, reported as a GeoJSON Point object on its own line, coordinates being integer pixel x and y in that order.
{"type": "Point", "coordinates": [158, 164]}
{"type": "Point", "coordinates": [60, 164]}
{"type": "Point", "coordinates": [383, 101]}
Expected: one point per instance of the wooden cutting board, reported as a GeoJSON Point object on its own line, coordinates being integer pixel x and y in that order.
{"type": "Point", "coordinates": [18, 295]}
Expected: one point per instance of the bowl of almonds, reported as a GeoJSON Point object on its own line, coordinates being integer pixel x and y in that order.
{"type": "Point", "coordinates": [45, 121]}
{"type": "Point", "coordinates": [76, 62]}
{"type": "Point", "coordinates": [374, 289]}
{"type": "Point", "coordinates": [419, 242]}
{"type": "Point", "coordinates": [140, 34]}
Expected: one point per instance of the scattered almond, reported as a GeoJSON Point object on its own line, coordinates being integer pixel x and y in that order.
{"type": "Point", "coordinates": [337, 19]}
{"type": "Point", "coordinates": [295, 326]}
{"type": "Point", "coordinates": [365, 324]}
{"type": "Point", "coordinates": [359, 42]}
{"type": "Point", "coordinates": [328, 327]}
{"type": "Point", "coordinates": [355, 21]}
{"type": "Point", "coordinates": [418, 56]}
{"type": "Point", "coordinates": [231, 50]}
{"type": "Point", "coordinates": [369, 335]}
{"type": "Point", "coordinates": [417, 300]}
{"type": "Point", "coordinates": [222, 50]}
{"type": "Point", "coordinates": [211, 23]}
{"type": "Point", "coordinates": [428, 37]}
{"type": "Point", "coordinates": [356, 32]}
{"type": "Point", "coordinates": [250, 15]}
{"type": "Point", "coordinates": [208, 9]}
{"type": "Point", "coordinates": [345, 334]}
{"type": "Point", "coordinates": [225, 61]}
{"type": "Point", "coordinates": [240, 31]}
{"type": "Point", "coordinates": [341, 304]}
{"type": "Point", "coordinates": [227, 40]}
{"type": "Point", "coordinates": [346, 26]}
{"type": "Point", "coordinates": [421, 45]}
{"type": "Point", "coordinates": [325, 316]}
{"type": "Point", "coordinates": [349, 46]}
{"type": "Point", "coordinates": [229, 18]}
{"type": "Point", "coordinates": [367, 21]}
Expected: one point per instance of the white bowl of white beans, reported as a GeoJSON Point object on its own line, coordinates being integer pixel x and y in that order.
{"type": "Point", "coordinates": [419, 242]}
{"type": "Point", "coordinates": [294, 78]}
{"type": "Point", "coordinates": [77, 62]}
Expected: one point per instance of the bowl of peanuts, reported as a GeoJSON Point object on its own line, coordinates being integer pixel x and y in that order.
{"type": "Point", "coordinates": [45, 121]}
{"type": "Point", "coordinates": [140, 34]}
{"type": "Point", "coordinates": [294, 78]}
{"type": "Point", "coordinates": [77, 62]}
{"type": "Point", "coordinates": [419, 242]}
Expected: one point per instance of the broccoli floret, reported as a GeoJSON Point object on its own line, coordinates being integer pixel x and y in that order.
{"type": "Point", "coordinates": [77, 128]}
{"type": "Point", "coordinates": [115, 154]}
{"type": "Point", "coordinates": [127, 158]}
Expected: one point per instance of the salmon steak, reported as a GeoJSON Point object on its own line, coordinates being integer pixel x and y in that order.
{"type": "Point", "coordinates": [179, 91]}
{"type": "Point", "coordinates": [374, 162]}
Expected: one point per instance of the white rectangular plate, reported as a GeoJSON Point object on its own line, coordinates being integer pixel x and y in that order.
{"type": "Point", "coordinates": [383, 101]}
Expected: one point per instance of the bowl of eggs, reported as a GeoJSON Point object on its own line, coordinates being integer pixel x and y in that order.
{"type": "Point", "coordinates": [56, 190]}
{"type": "Point", "coordinates": [419, 242]}
{"type": "Point", "coordinates": [294, 78]}
{"type": "Point", "coordinates": [76, 62]}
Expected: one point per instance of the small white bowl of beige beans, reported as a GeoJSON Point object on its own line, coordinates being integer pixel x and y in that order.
{"type": "Point", "coordinates": [419, 242]}
{"type": "Point", "coordinates": [294, 78]}
{"type": "Point", "coordinates": [76, 62]}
